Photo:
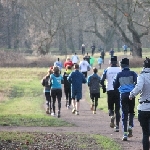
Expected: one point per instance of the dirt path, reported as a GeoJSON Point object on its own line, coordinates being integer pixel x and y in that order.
{"type": "Point", "coordinates": [86, 122]}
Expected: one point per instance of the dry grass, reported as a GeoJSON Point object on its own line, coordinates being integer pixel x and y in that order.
{"type": "Point", "coordinates": [2, 97]}
{"type": "Point", "coordinates": [136, 62]}
{"type": "Point", "coordinates": [15, 59]}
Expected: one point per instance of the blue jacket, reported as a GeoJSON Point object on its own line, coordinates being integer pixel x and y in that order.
{"type": "Point", "coordinates": [76, 79]}
{"type": "Point", "coordinates": [125, 81]}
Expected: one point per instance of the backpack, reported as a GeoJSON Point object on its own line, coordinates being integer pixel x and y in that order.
{"type": "Point", "coordinates": [94, 84]}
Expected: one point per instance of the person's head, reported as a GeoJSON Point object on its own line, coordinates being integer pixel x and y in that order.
{"type": "Point", "coordinates": [56, 70]}
{"type": "Point", "coordinates": [124, 63]}
{"type": "Point", "coordinates": [67, 59]}
{"type": "Point", "coordinates": [146, 63]}
{"type": "Point", "coordinates": [68, 67]}
{"type": "Point", "coordinates": [100, 56]}
{"type": "Point", "coordinates": [95, 70]}
{"type": "Point", "coordinates": [113, 60]}
{"type": "Point", "coordinates": [58, 59]}
{"type": "Point", "coordinates": [76, 66]}
{"type": "Point", "coordinates": [50, 70]}
{"type": "Point", "coordinates": [75, 53]}
{"type": "Point", "coordinates": [87, 53]}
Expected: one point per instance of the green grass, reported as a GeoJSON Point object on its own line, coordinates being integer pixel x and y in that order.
{"type": "Point", "coordinates": [22, 98]}
{"type": "Point", "coordinates": [107, 143]}
{"type": "Point", "coordinates": [15, 136]}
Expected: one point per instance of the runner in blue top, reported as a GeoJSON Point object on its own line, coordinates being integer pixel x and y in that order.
{"type": "Point", "coordinates": [100, 61]}
{"type": "Point", "coordinates": [56, 89]}
{"type": "Point", "coordinates": [125, 82]}
{"type": "Point", "coordinates": [58, 63]}
{"type": "Point", "coordinates": [76, 79]}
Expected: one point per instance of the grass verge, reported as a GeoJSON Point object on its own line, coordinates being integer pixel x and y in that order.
{"type": "Point", "coordinates": [36, 140]}
{"type": "Point", "coordinates": [22, 103]}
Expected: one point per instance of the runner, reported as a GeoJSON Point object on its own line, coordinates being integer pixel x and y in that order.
{"type": "Point", "coordinates": [94, 87]}
{"type": "Point", "coordinates": [100, 61]}
{"type": "Point", "coordinates": [113, 98]}
{"type": "Point", "coordinates": [125, 81]}
{"type": "Point", "coordinates": [143, 87]}
{"type": "Point", "coordinates": [58, 63]}
{"type": "Point", "coordinates": [68, 62]}
{"type": "Point", "coordinates": [75, 58]}
{"type": "Point", "coordinates": [84, 67]}
{"type": "Point", "coordinates": [67, 86]}
{"type": "Point", "coordinates": [45, 82]}
{"type": "Point", "coordinates": [76, 79]}
{"type": "Point", "coordinates": [56, 89]}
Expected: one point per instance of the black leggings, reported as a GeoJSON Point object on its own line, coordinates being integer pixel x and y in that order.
{"type": "Point", "coordinates": [56, 93]}
{"type": "Point", "coordinates": [48, 99]}
{"type": "Point", "coordinates": [95, 102]}
{"type": "Point", "coordinates": [68, 96]}
{"type": "Point", "coordinates": [144, 119]}
{"type": "Point", "coordinates": [94, 97]}
{"type": "Point", "coordinates": [127, 108]}
{"type": "Point", "coordinates": [113, 99]}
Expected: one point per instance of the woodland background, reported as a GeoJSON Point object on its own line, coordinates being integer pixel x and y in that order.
{"type": "Point", "coordinates": [62, 26]}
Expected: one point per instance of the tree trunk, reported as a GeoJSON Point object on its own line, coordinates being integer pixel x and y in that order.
{"type": "Point", "coordinates": [137, 50]}
{"type": "Point", "coordinates": [137, 46]}
{"type": "Point", "coordinates": [70, 40]}
{"type": "Point", "coordinates": [62, 42]}
{"type": "Point", "coordinates": [118, 45]}
{"type": "Point", "coordinates": [9, 37]}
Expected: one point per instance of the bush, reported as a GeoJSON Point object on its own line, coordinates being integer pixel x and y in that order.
{"type": "Point", "coordinates": [136, 62]}
{"type": "Point", "coordinates": [16, 59]}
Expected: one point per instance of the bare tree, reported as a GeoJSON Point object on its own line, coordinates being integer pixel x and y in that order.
{"type": "Point", "coordinates": [131, 19]}
{"type": "Point", "coordinates": [44, 21]}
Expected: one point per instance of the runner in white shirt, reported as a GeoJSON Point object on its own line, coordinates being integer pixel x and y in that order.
{"type": "Point", "coordinates": [84, 65]}
{"type": "Point", "coordinates": [113, 96]}
{"type": "Point", "coordinates": [75, 59]}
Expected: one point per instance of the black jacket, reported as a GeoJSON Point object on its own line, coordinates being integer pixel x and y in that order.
{"type": "Point", "coordinates": [67, 85]}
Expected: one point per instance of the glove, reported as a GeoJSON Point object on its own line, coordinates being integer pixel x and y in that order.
{"type": "Point", "coordinates": [104, 90]}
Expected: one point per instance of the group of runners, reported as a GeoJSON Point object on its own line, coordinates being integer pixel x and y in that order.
{"type": "Point", "coordinates": [118, 81]}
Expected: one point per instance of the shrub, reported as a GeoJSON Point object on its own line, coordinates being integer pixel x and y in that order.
{"type": "Point", "coordinates": [136, 62]}
{"type": "Point", "coordinates": [16, 59]}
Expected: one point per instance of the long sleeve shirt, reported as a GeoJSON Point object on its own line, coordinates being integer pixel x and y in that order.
{"type": "Point", "coordinates": [109, 75]}
{"type": "Point", "coordinates": [143, 88]}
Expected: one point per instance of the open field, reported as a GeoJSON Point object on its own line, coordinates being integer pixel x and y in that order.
{"type": "Point", "coordinates": [22, 104]}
